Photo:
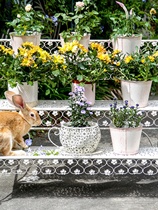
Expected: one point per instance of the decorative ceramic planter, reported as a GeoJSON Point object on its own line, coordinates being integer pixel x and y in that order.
{"type": "Point", "coordinates": [125, 141]}
{"type": "Point", "coordinates": [17, 41]}
{"type": "Point", "coordinates": [84, 40]}
{"type": "Point", "coordinates": [127, 44]}
{"type": "Point", "coordinates": [78, 140]}
{"type": "Point", "coordinates": [28, 92]}
{"type": "Point", "coordinates": [89, 91]}
{"type": "Point", "coordinates": [136, 92]}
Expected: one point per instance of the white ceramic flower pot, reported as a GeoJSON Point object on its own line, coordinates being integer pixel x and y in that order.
{"type": "Point", "coordinates": [136, 92]}
{"type": "Point", "coordinates": [125, 141]}
{"type": "Point", "coordinates": [78, 140]}
{"type": "Point", "coordinates": [28, 92]}
{"type": "Point", "coordinates": [127, 44]}
{"type": "Point", "coordinates": [17, 41]}
{"type": "Point", "coordinates": [89, 91]}
{"type": "Point", "coordinates": [84, 40]}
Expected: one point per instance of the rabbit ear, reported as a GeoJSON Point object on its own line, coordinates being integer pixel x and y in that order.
{"type": "Point", "coordinates": [9, 94]}
{"type": "Point", "coordinates": [15, 99]}
{"type": "Point", "coordinates": [18, 101]}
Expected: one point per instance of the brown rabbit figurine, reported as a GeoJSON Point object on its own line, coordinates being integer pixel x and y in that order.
{"type": "Point", "coordinates": [14, 125]}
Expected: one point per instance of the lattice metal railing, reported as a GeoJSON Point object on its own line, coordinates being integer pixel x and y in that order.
{"type": "Point", "coordinates": [52, 44]}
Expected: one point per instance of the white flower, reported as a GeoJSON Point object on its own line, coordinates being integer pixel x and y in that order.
{"type": "Point", "coordinates": [150, 172]}
{"type": "Point", "coordinates": [77, 171]}
{"type": "Point", "coordinates": [63, 171]}
{"type": "Point", "coordinates": [114, 162]}
{"type": "Point", "coordinates": [135, 171]}
{"type": "Point", "coordinates": [129, 162]}
{"type": "Point", "coordinates": [85, 162]}
{"type": "Point", "coordinates": [121, 171]}
{"type": "Point", "coordinates": [79, 4]}
{"type": "Point", "coordinates": [28, 7]}
{"type": "Point", "coordinates": [11, 162]}
{"type": "Point", "coordinates": [69, 113]}
{"type": "Point", "coordinates": [105, 123]}
{"type": "Point", "coordinates": [48, 171]}
{"type": "Point", "coordinates": [153, 113]}
{"type": "Point", "coordinates": [70, 162]}
{"type": "Point", "coordinates": [99, 162]}
{"type": "Point", "coordinates": [97, 113]}
{"type": "Point", "coordinates": [55, 113]}
{"type": "Point", "coordinates": [19, 171]}
{"type": "Point", "coordinates": [41, 113]}
{"type": "Point", "coordinates": [147, 123]}
{"type": "Point", "coordinates": [26, 162]}
{"type": "Point", "coordinates": [55, 162]}
{"type": "Point", "coordinates": [18, 16]}
{"type": "Point", "coordinates": [4, 171]}
{"type": "Point", "coordinates": [40, 162]}
{"type": "Point", "coordinates": [48, 123]}
{"type": "Point", "coordinates": [34, 172]}
{"type": "Point", "coordinates": [107, 172]}
{"type": "Point", "coordinates": [154, 44]}
{"type": "Point", "coordinates": [144, 162]}
{"type": "Point", "coordinates": [91, 172]}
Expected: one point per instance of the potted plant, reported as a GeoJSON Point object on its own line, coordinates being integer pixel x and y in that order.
{"type": "Point", "coordinates": [83, 21]}
{"type": "Point", "coordinates": [29, 66]}
{"type": "Point", "coordinates": [136, 72]}
{"type": "Point", "coordinates": [27, 27]}
{"type": "Point", "coordinates": [126, 128]}
{"type": "Point", "coordinates": [129, 27]}
{"type": "Point", "coordinates": [84, 67]}
{"type": "Point", "coordinates": [80, 135]}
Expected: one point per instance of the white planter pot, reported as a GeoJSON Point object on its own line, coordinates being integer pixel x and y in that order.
{"type": "Point", "coordinates": [78, 140]}
{"type": "Point", "coordinates": [17, 41]}
{"type": "Point", "coordinates": [136, 92]}
{"type": "Point", "coordinates": [126, 141]}
{"type": "Point", "coordinates": [89, 91]}
{"type": "Point", "coordinates": [28, 92]}
{"type": "Point", "coordinates": [127, 44]}
{"type": "Point", "coordinates": [84, 40]}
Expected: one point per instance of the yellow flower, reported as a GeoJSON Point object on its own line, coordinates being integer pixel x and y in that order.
{"type": "Point", "coordinates": [128, 59]}
{"type": "Point", "coordinates": [58, 59]}
{"type": "Point", "coordinates": [104, 57]}
{"type": "Point", "coordinates": [115, 52]}
{"type": "Point", "coordinates": [100, 48]}
{"type": "Point", "coordinates": [151, 58]}
{"type": "Point", "coordinates": [117, 63]}
{"type": "Point", "coordinates": [143, 60]}
{"type": "Point", "coordinates": [155, 54]}
{"type": "Point", "coordinates": [152, 11]}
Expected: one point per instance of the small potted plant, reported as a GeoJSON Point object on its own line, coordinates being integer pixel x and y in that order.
{"type": "Point", "coordinates": [136, 72]}
{"type": "Point", "coordinates": [30, 66]}
{"type": "Point", "coordinates": [27, 27]}
{"type": "Point", "coordinates": [129, 27]}
{"type": "Point", "coordinates": [126, 128]}
{"type": "Point", "coordinates": [85, 67]}
{"type": "Point", "coordinates": [83, 21]}
{"type": "Point", "coordinates": [80, 135]}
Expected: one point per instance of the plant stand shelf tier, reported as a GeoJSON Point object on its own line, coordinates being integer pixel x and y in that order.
{"type": "Point", "coordinates": [103, 162]}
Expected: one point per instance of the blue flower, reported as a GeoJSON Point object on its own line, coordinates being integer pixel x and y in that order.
{"type": "Point", "coordinates": [83, 112]}
{"type": "Point", "coordinates": [28, 142]}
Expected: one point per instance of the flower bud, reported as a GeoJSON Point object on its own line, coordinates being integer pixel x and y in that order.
{"type": "Point", "coordinates": [79, 4]}
{"type": "Point", "coordinates": [28, 7]}
{"type": "Point", "coordinates": [18, 16]}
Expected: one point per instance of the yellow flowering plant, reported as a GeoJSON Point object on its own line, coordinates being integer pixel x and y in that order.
{"type": "Point", "coordinates": [138, 67]}
{"type": "Point", "coordinates": [84, 65]}
{"type": "Point", "coordinates": [30, 64]}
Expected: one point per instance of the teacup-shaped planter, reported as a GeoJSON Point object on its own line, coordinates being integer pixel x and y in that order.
{"type": "Point", "coordinates": [78, 140]}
